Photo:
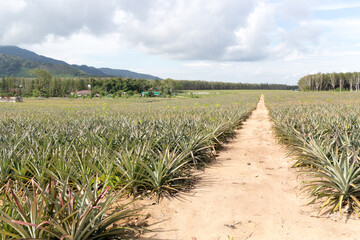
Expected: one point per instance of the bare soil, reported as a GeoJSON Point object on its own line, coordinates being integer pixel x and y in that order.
{"type": "Point", "coordinates": [249, 193]}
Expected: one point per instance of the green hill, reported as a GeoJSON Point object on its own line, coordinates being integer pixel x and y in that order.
{"type": "Point", "coordinates": [126, 73]}
{"type": "Point", "coordinates": [17, 62]}
{"type": "Point", "coordinates": [20, 67]}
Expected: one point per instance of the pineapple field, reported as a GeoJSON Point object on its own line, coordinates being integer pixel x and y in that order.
{"type": "Point", "coordinates": [63, 162]}
{"type": "Point", "coordinates": [322, 131]}
{"type": "Point", "coordinates": [73, 168]}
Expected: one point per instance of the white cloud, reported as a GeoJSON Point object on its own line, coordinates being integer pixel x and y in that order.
{"type": "Point", "coordinates": [230, 40]}
{"type": "Point", "coordinates": [13, 6]}
{"type": "Point", "coordinates": [336, 5]}
{"type": "Point", "coordinates": [79, 48]}
{"type": "Point", "coordinates": [254, 38]}
{"type": "Point", "coordinates": [197, 64]}
{"type": "Point", "coordinates": [32, 21]}
{"type": "Point", "coordinates": [300, 40]}
{"type": "Point", "coordinates": [180, 29]}
{"type": "Point", "coordinates": [295, 10]}
{"type": "Point", "coordinates": [197, 29]}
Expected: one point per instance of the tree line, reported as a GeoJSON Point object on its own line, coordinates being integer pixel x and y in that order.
{"type": "Point", "coordinates": [43, 84]}
{"type": "Point", "coordinates": [349, 81]}
{"type": "Point", "coordinates": [205, 85]}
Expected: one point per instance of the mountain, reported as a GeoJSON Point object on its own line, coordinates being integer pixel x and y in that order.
{"type": "Point", "coordinates": [126, 73]}
{"type": "Point", "coordinates": [18, 62]}
{"type": "Point", "coordinates": [20, 67]}
{"type": "Point", "coordinates": [26, 54]}
{"type": "Point", "coordinates": [92, 70]}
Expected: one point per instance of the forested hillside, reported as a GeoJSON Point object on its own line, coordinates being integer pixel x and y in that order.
{"type": "Point", "coordinates": [18, 62]}
{"type": "Point", "coordinates": [126, 73]}
{"type": "Point", "coordinates": [20, 67]}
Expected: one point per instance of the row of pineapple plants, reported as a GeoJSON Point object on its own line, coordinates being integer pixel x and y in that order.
{"type": "Point", "coordinates": [322, 131]}
{"type": "Point", "coordinates": [64, 163]}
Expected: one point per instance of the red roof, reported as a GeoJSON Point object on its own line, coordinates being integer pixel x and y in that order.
{"type": "Point", "coordinates": [83, 92]}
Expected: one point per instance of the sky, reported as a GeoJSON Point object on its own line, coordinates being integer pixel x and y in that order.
{"type": "Point", "coordinates": [249, 41]}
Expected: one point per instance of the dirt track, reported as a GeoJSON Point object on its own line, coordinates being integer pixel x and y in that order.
{"type": "Point", "coordinates": [250, 193]}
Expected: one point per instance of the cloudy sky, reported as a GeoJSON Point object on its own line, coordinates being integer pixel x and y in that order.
{"type": "Point", "coordinates": [274, 41]}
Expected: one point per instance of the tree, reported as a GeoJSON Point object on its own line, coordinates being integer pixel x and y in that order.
{"type": "Point", "coordinates": [43, 79]}
{"type": "Point", "coordinates": [41, 74]}
{"type": "Point", "coordinates": [170, 83]}
{"type": "Point", "coordinates": [357, 81]}
{"type": "Point", "coordinates": [351, 82]}
{"type": "Point", "coordinates": [341, 80]}
{"type": "Point", "coordinates": [318, 81]}
{"type": "Point", "coordinates": [157, 84]}
{"type": "Point", "coordinates": [333, 80]}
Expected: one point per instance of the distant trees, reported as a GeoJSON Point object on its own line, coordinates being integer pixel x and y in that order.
{"type": "Point", "coordinates": [205, 85]}
{"type": "Point", "coordinates": [45, 85]}
{"type": "Point", "coordinates": [330, 81]}
{"type": "Point", "coordinates": [42, 85]}
{"type": "Point", "coordinates": [119, 85]}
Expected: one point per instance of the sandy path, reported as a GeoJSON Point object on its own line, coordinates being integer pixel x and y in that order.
{"type": "Point", "coordinates": [250, 193]}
